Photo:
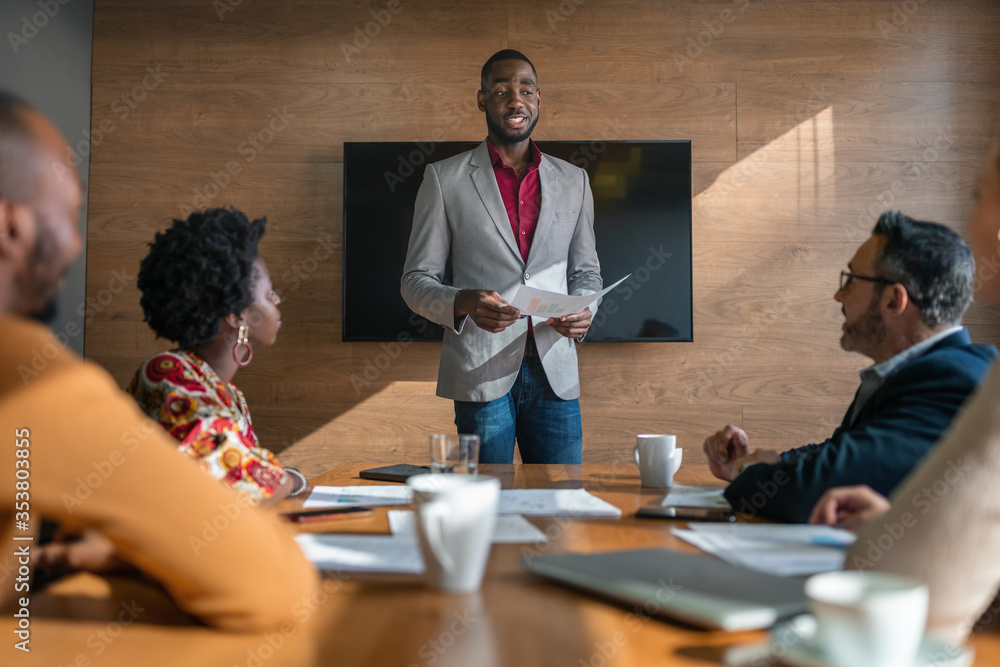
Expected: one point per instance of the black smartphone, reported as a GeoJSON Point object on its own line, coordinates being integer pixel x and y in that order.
{"type": "Point", "coordinates": [686, 513]}
{"type": "Point", "coordinates": [395, 473]}
{"type": "Point", "coordinates": [328, 514]}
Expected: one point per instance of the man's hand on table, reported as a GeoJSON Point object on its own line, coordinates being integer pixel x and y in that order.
{"type": "Point", "coordinates": [849, 506]}
{"type": "Point", "coordinates": [728, 450]}
{"type": "Point", "coordinates": [723, 449]}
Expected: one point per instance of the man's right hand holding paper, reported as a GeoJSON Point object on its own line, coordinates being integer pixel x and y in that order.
{"type": "Point", "coordinates": [486, 308]}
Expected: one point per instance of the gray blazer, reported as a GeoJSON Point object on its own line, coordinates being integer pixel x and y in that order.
{"type": "Point", "coordinates": [462, 239]}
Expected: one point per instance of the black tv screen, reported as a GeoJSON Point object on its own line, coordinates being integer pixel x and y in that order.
{"type": "Point", "coordinates": [642, 222]}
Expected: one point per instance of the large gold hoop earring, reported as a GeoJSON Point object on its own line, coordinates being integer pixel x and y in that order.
{"type": "Point", "coordinates": [242, 340]}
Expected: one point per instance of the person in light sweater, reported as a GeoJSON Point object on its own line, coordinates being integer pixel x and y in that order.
{"type": "Point", "coordinates": [942, 525]}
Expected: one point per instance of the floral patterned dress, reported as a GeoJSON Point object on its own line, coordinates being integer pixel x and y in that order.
{"type": "Point", "coordinates": [180, 390]}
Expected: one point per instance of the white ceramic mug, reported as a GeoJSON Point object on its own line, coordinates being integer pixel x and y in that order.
{"type": "Point", "coordinates": [868, 618]}
{"type": "Point", "coordinates": [456, 515]}
{"type": "Point", "coordinates": [658, 458]}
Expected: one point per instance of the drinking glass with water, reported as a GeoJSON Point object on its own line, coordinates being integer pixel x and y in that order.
{"type": "Point", "coordinates": [451, 453]}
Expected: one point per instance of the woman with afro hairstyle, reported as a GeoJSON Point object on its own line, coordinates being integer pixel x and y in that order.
{"type": "Point", "coordinates": [205, 288]}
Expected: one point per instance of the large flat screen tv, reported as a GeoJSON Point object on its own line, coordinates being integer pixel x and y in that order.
{"type": "Point", "coordinates": [642, 221]}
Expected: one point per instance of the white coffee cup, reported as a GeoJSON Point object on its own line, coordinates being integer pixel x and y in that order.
{"type": "Point", "coordinates": [868, 618]}
{"type": "Point", "coordinates": [658, 458]}
{"type": "Point", "coordinates": [456, 515]}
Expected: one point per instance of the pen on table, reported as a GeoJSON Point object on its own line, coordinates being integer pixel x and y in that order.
{"type": "Point", "coordinates": [329, 514]}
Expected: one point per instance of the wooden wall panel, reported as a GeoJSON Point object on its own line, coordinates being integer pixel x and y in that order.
{"type": "Point", "coordinates": [807, 120]}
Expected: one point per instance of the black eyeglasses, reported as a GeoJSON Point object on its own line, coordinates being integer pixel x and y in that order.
{"type": "Point", "coordinates": [846, 277]}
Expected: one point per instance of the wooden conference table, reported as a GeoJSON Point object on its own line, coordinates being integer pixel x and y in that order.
{"type": "Point", "coordinates": [397, 621]}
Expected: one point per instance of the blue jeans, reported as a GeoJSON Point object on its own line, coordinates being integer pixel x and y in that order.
{"type": "Point", "coordinates": [546, 427]}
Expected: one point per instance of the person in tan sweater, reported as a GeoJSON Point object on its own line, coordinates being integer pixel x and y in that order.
{"type": "Point", "coordinates": [79, 451]}
{"type": "Point", "coordinates": [943, 523]}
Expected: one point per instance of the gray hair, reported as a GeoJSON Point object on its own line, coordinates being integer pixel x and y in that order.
{"type": "Point", "coordinates": [932, 262]}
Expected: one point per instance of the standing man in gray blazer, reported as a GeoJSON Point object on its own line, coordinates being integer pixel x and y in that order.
{"type": "Point", "coordinates": [486, 221]}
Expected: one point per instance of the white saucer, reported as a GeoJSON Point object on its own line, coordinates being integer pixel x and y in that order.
{"type": "Point", "coordinates": [794, 642]}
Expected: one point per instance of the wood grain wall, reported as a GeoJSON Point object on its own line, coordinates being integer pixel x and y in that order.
{"type": "Point", "coordinates": [807, 120]}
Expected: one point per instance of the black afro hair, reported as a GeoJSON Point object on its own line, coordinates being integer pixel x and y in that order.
{"type": "Point", "coordinates": [198, 272]}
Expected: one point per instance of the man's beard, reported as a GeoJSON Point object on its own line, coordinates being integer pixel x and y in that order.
{"type": "Point", "coordinates": [42, 254]}
{"type": "Point", "coordinates": [505, 136]}
{"type": "Point", "coordinates": [867, 333]}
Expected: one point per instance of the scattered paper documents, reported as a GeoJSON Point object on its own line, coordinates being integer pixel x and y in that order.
{"type": "Point", "coordinates": [529, 502]}
{"type": "Point", "coordinates": [696, 496]}
{"type": "Point", "coordinates": [554, 502]}
{"type": "Point", "coordinates": [362, 553]}
{"type": "Point", "coordinates": [358, 496]}
{"type": "Point", "coordinates": [545, 304]}
{"type": "Point", "coordinates": [781, 549]}
{"type": "Point", "coordinates": [509, 529]}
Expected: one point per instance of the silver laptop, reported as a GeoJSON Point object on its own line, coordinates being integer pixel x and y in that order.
{"type": "Point", "coordinates": [699, 590]}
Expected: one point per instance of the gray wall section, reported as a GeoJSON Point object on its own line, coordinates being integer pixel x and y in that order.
{"type": "Point", "coordinates": [45, 58]}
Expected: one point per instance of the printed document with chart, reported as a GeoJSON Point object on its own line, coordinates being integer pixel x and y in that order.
{"type": "Point", "coordinates": [544, 304]}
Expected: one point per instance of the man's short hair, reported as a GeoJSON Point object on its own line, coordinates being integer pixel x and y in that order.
{"type": "Point", "coordinates": [19, 162]}
{"type": "Point", "coordinates": [931, 261]}
{"type": "Point", "coordinates": [505, 54]}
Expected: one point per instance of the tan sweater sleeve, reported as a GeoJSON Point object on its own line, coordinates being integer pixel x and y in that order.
{"type": "Point", "coordinates": [944, 524]}
{"type": "Point", "coordinates": [96, 461]}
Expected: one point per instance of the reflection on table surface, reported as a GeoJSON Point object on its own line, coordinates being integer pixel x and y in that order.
{"type": "Point", "coordinates": [395, 620]}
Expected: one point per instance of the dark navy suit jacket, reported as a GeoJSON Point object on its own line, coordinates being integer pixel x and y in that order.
{"type": "Point", "coordinates": [895, 428]}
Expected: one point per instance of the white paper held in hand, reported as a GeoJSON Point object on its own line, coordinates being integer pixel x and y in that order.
{"type": "Point", "coordinates": [542, 303]}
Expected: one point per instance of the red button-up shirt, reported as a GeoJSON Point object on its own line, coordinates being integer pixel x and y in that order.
{"type": "Point", "coordinates": [521, 197]}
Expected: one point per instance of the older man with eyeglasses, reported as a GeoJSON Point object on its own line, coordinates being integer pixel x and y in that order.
{"type": "Point", "coordinates": [903, 297]}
